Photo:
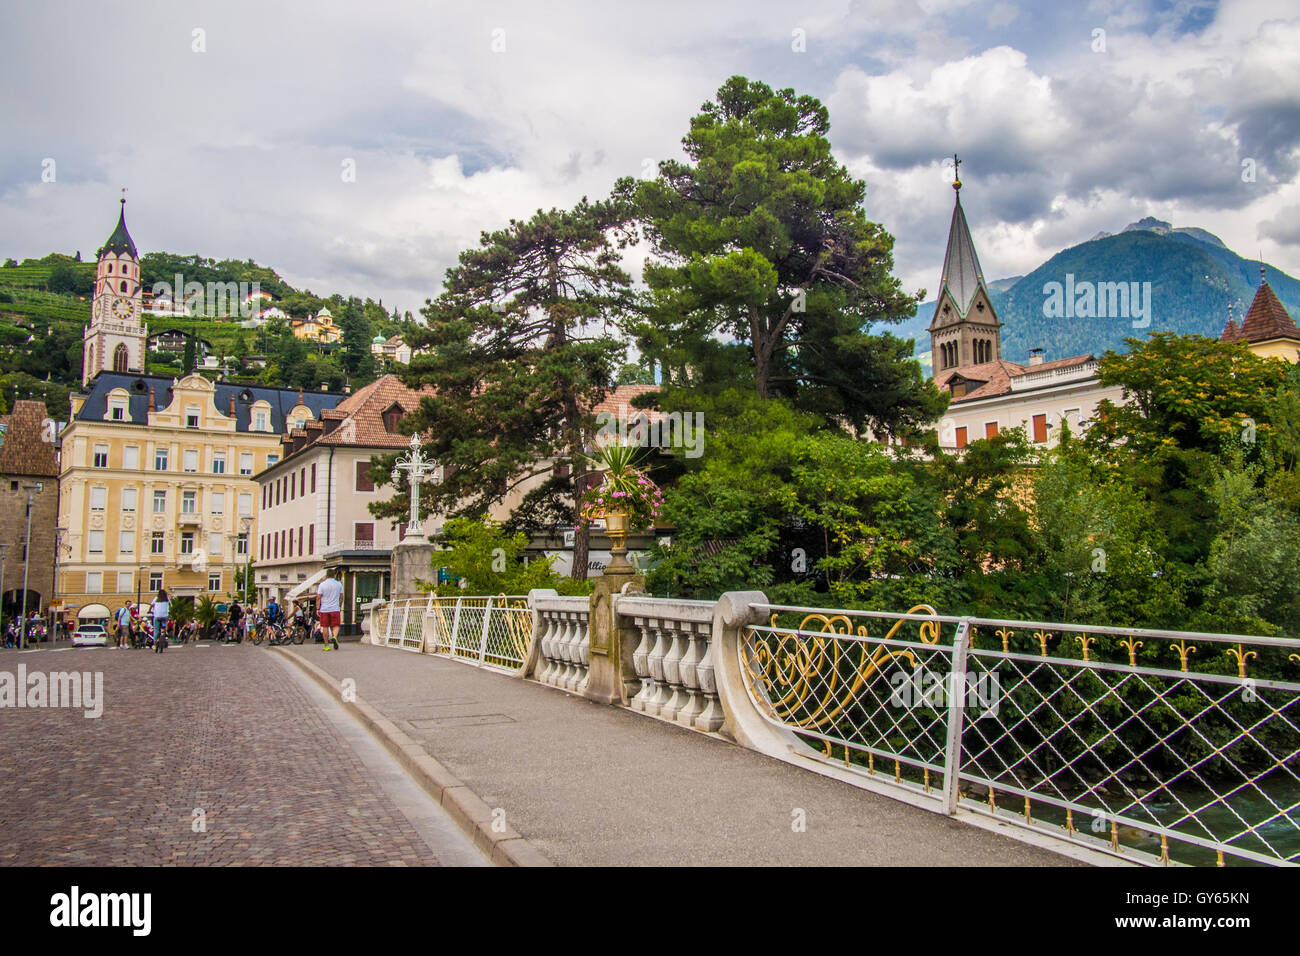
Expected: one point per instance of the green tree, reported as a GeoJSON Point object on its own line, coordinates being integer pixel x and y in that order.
{"type": "Point", "coordinates": [482, 558]}
{"type": "Point", "coordinates": [517, 354]}
{"type": "Point", "coordinates": [762, 238]}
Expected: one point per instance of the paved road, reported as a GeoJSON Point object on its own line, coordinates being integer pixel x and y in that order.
{"type": "Point", "coordinates": [283, 774]}
{"type": "Point", "coordinates": [595, 785]}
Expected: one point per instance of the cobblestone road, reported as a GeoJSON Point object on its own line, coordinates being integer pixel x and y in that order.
{"type": "Point", "coordinates": [230, 731]}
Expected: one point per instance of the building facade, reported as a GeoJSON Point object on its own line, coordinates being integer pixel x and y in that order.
{"type": "Point", "coordinates": [157, 485]}
{"type": "Point", "coordinates": [29, 469]}
{"type": "Point", "coordinates": [314, 502]}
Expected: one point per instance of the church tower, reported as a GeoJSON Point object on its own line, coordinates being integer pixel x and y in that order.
{"type": "Point", "coordinates": [964, 331]}
{"type": "Point", "coordinates": [115, 339]}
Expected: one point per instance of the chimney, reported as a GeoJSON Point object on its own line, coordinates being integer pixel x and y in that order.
{"type": "Point", "coordinates": [1035, 357]}
{"type": "Point", "coordinates": [152, 407]}
{"type": "Point", "coordinates": [232, 404]}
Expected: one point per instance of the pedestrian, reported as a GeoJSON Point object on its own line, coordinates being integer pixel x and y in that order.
{"type": "Point", "coordinates": [236, 627]}
{"type": "Point", "coordinates": [329, 597]}
{"type": "Point", "coordinates": [124, 625]}
{"type": "Point", "coordinates": [160, 608]}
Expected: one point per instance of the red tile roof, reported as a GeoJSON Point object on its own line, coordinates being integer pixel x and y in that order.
{"type": "Point", "coordinates": [25, 450]}
{"type": "Point", "coordinates": [1267, 318]}
{"type": "Point", "coordinates": [997, 375]}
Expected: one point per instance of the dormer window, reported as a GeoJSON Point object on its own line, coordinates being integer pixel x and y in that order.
{"type": "Point", "coordinates": [391, 416]}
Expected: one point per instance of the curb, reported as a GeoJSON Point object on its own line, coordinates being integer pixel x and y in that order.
{"type": "Point", "coordinates": [471, 813]}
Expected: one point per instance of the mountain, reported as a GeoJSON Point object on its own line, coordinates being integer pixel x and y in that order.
{"type": "Point", "coordinates": [1193, 278]}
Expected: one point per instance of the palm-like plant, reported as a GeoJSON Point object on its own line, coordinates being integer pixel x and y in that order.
{"type": "Point", "coordinates": [205, 612]}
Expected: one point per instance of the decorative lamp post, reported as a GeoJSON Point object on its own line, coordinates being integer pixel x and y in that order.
{"type": "Point", "coordinates": [417, 467]}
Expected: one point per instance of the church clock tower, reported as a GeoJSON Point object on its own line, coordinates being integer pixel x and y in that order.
{"type": "Point", "coordinates": [115, 339]}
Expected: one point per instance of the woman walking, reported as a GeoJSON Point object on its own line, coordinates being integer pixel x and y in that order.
{"type": "Point", "coordinates": [160, 607]}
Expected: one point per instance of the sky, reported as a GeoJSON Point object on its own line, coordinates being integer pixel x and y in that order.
{"type": "Point", "coordinates": [359, 147]}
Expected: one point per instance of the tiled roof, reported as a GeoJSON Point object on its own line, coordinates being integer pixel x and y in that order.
{"type": "Point", "coordinates": [23, 450]}
{"type": "Point", "coordinates": [620, 399]}
{"type": "Point", "coordinates": [1230, 332]}
{"type": "Point", "coordinates": [362, 415]}
{"type": "Point", "coordinates": [1267, 318]}
{"type": "Point", "coordinates": [997, 375]}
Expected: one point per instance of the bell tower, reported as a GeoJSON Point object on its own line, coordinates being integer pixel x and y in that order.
{"type": "Point", "coordinates": [115, 338]}
{"type": "Point", "coordinates": [965, 331]}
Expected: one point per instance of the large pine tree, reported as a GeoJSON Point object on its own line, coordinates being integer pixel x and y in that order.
{"type": "Point", "coordinates": [517, 350]}
{"type": "Point", "coordinates": [762, 239]}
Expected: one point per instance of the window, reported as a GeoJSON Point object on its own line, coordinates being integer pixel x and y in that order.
{"type": "Point", "coordinates": [991, 430]}
{"type": "Point", "coordinates": [246, 504]}
{"type": "Point", "coordinates": [129, 496]}
{"type": "Point", "coordinates": [293, 484]}
{"type": "Point", "coordinates": [117, 410]}
{"type": "Point", "coordinates": [363, 531]}
{"type": "Point", "coordinates": [98, 499]}
{"type": "Point", "coordinates": [187, 542]}
{"type": "Point", "coordinates": [95, 542]}
{"type": "Point", "coordinates": [191, 417]}
{"type": "Point", "coordinates": [299, 540]}
{"type": "Point", "coordinates": [313, 478]}
{"type": "Point", "coordinates": [124, 583]}
{"type": "Point", "coordinates": [156, 543]}
{"type": "Point", "coordinates": [218, 502]}
{"type": "Point", "coordinates": [155, 581]}
{"type": "Point", "coordinates": [160, 502]}
{"type": "Point", "coordinates": [160, 459]}
{"type": "Point", "coordinates": [1040, 428]}
{"type": "Point", "coordinates": [302, 481]}
{"type": "Point", "coordinates": [245, 462]}
{"type": "Point", "coordinates": [392, 415]}
{"type": "Point", "coordinates": [311, 539]}
{"type": "Point", "coordinates": [191, 461]}
{"type": "Point", "coordinates": [94, 582]}
{"type": "Point", "coordinates": [131, 457]}
{"type": "Point", "coordinates": [189, 502]}
{"type": "Point", "coordinates": [259, 422]}
{"type": "Point", "coordinates": [215, 545]}
{"type": "Point", "coordinates": [363, 482]}
{"type": "Point", "coordinates": [241, 546]}
{"type": "Point", "coordinates": [271, 460]}
{"type": "Point", "coordinates": [961, 437]}
{"type": "Point", "coordinates": [279, 486]}
{"type": "Point", "coordinates": [126, 542]}
{"type": "Point", "coordinates": [101, 456]}
{"type": "Point", "coordinates": [214, 581]}
{"type": "Point", "coordinates": [124, 287]}
{"type": "Point", "coordinates": [219, 463]}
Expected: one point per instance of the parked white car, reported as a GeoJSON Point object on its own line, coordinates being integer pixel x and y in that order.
{"type": "Point", "coordinates": [90, 635]}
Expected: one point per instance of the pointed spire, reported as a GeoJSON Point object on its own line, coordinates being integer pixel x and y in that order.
{"type": "Point", "coordinates": [120, 241]}
{"type": "Point", "coordinates": [962, 275]}
{"type": "Point", "coordinates": [1267, 318]}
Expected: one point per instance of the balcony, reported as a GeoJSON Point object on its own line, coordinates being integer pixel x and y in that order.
{"type": "Point", "coordinates": [358, 545]}
{"type": "Point", "coordinates": [188, 520]}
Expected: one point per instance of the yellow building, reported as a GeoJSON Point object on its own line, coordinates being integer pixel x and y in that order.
{"type": "Point", "coordinates": [1268, 329]}
{"type": "Point", "coordinates": [317, 328]}
{"type": "Point", "coordinates": [157, 484]}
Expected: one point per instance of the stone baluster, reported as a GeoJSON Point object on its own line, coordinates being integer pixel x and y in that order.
{"type": "Point", "coordinates": [672, 674]}
{"type": "Point", "coordinates": [584, 653]}
{"type": "Point", "coordinates": [546, 621]}
{"type": "Point", "coordinates": [690, 683]}
{"type": "Point", "coordinates": [659, 689]}
{"type": "Point", "coordinates": [641, 664]}
{"type": "Point", "coordinates": [710, 717]}
{"type": "Point", "coordinates": [562, 649]}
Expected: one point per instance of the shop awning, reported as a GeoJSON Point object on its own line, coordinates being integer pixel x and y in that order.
{"type": "Point", "coordinates": [302, 586]}
{"type": "Point", "coordinates": [92, 611]}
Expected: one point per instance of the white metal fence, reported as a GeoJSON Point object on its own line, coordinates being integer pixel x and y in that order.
{"type": "Point", "coordinates": [487, 630]}
{"type": "Point", "coordinates": [1157, 746]}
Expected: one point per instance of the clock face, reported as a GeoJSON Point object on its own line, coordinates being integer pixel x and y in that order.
{"type": "Point", "coordinates": [121, 309]}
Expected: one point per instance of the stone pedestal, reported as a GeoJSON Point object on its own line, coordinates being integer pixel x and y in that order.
{"type": "Point", "coordinates": [611, 676]}
{"type": "Point", "coordinates": [412, 559]}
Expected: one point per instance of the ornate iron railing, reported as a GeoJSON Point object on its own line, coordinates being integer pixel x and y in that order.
{"type": "Point", "coordinates": [1158, 746]}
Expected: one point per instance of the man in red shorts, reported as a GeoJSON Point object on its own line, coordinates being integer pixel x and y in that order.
{"type": "Point", "coordinates": [329, 597]}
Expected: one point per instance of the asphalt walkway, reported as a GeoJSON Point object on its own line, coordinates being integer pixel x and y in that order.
{"type": "Point", "coordinates": [588, 784]}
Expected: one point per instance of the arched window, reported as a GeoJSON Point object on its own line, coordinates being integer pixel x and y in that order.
{"type": "Point", "coordinates": [119, 358]}
{"type": "Point", "coordinates": [123, 285]}
{"type": "Point", "coordinates": [110, 267]}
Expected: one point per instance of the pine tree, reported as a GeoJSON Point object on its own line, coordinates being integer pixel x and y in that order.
{"type": "Point", "coordinates": [517, 350]}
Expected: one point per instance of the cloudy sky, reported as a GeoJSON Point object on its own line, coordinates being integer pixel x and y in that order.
{"type": "Point", "coordinates": [233, 124]}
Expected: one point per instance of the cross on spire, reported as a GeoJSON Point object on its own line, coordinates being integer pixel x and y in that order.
{"type": "Point", "coordinates": [123, 200]}
{"type": "Point", "coordinates": [956, 172]}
